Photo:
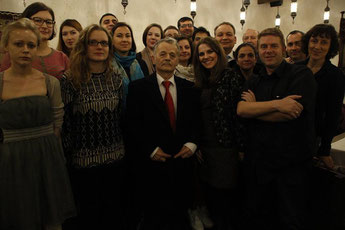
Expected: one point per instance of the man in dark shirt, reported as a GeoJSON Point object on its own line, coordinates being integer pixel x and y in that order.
{"type": "Point", "coordinates": [279, 106]}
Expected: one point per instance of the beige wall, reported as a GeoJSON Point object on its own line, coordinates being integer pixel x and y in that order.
{"type": "Point", "coordinates": [141, 13]}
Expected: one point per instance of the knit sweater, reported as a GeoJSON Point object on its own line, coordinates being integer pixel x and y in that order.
{"type": "Point", "coordinates": [92, 134]}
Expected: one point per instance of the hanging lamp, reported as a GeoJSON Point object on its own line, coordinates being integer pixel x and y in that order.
{"type": "Point", "coordinates": [193, 8]}
{"type": "Point", "coordinates": [326, 14]}
{"type": "Point", "coordinates": [277, 22]}
{"type": "Point", "coordinates": [243, 15]}
{"type": "Point", "coordinates": [124, 4]}
{"type": "Point", "coordinates": [293, 10]}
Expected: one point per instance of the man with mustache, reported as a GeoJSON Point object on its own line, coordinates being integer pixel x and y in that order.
{"type": "Point", "coordinates": [279, 106]}
{"type": "Point", "coordinates": [162, 126]}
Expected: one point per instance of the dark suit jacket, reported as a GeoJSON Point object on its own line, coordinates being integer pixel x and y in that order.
{"type": "Point", "coordinates": [148, 127]}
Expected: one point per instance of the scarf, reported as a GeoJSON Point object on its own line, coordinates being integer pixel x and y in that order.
{"type": "Point", "coordinates": [185, 72]}
{"type": "Point", "coordinates": [130, 61]}
{"type": "Point", "coordinates": [146, 56]}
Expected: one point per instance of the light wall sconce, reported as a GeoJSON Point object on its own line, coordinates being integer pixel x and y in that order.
{"type": "Point", "coordinates": [243, 15]}
{"type": "Point", "coordinates": [246, 3]}
{"type": "Point", "coordinates": [326, 14]}
{"type": "Point", "coordinates": [277, 22]}
{"type": "Point", "coordinates": [193, 8]}
{"type": "Point", "coordinates": [293, 10]}
{"type": "Point", "coordinates": [124, 4]}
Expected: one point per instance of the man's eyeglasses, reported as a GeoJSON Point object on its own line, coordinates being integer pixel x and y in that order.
{"type": "Point", "coordinates": [186, 25]}
{"type": "Point", "coordinates": [39, 21]}
{"type": "Point", "coordinates": [95, 43]}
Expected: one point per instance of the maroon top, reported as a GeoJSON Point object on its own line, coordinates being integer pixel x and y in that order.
{"type": "Point", "coordinates": [54, 64]}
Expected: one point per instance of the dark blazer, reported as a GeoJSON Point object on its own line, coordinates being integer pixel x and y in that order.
{"type": "Point", "coordinates": [148, 127]}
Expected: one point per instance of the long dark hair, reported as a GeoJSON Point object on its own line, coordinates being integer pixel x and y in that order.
{"type": "Point", "coordinates": [204, 77]}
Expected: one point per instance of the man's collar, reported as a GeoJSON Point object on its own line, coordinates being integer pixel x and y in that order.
{"type": "Point", "coordinates": [160, 79]}
{"type": "Point", "coordinates": [230, 56]}
{"type": "Point", "coordinates": [278, 72]}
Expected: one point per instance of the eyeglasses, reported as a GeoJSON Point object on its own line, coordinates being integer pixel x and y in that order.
{"type": "Point", "coordinates": [95, 43]}
{"type": "Point", "coordinates": [39, 21]}
{"type": "Point", "coordinates": [186, 25]}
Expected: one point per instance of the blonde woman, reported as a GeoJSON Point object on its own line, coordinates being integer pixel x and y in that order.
{"type": "Point", "coordinates": [34, 187]}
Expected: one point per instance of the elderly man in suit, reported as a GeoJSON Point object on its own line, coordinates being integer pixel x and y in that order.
{"type": "Point", "coordinates": [162, 130]}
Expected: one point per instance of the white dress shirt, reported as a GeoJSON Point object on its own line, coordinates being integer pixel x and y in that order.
{"type": "Point", "coordinates": [230, 56]}
{"type": "Point", "coordinates": [173, 92]}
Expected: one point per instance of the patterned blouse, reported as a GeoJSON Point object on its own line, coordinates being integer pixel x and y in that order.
{"type": "Point", "coordinates": [226, 95]}
{"type": "Point", "coordinates": [92, 134]}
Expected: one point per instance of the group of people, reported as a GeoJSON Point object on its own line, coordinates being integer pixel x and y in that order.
{"type": "Point", "coordinates": [186, 134]}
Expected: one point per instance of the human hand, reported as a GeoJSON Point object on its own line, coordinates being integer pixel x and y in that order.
{"type": "Point", "coordinates": [290, 106]}
{"type": "Point", "coordinates": [160, 156]}
{"type": "Point", "coordinates": [185, 152]}
{"type": "Point", "coordinates": [289, 60]}
{"type": "Point", "coordinates": [328, 161]}
{"type": "Point", "coordinates": [248, 96]}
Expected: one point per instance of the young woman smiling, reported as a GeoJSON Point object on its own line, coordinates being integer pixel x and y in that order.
{"type": "Point", "coordinates": [152, 34]}
{"type": "Point", "coordinates": [219, 146]}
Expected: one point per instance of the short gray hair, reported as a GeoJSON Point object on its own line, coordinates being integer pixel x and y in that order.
{"type": "Point", "coordinates": [169, 40]}
{"type": "Point", "coordinates": [21, 24]}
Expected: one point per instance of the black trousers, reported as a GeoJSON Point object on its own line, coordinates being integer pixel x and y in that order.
{"type": "Point", "coordinates": [277, 199]}
{"type": "Point", "coordinates": [99, 197]}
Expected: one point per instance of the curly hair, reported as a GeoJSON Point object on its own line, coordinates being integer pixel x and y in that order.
{"type": "Point", "coordinates": [322, 30]}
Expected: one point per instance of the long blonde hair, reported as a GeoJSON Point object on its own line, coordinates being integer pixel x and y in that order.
{"type": "Point", "coordinates": [79, 70]}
